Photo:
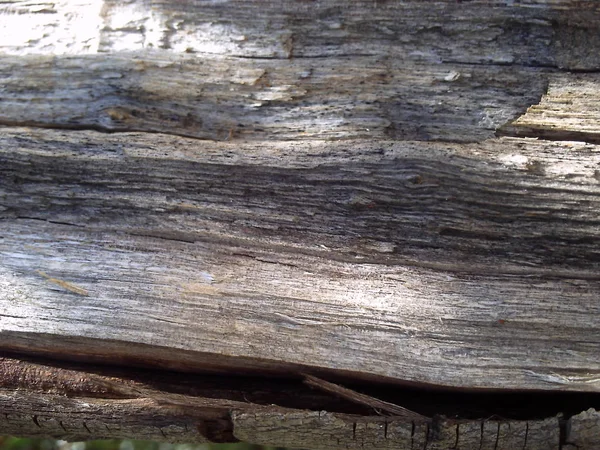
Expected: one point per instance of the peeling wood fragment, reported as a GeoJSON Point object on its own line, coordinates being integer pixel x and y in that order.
{"type": "Point", "coordinates": [64, 284]}
{"type": "Point", "coordinates": [245, 99]}
{"type": "Point", "coordinates": [349, 394]}
{"type": "Point", "coordinates": [569, 111]}
{"type": "Point", "coordinates": [402, 70]}
{"type": "Point", "coordinates": [15, 374]}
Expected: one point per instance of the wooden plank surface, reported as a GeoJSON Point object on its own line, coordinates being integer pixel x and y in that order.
{"type": "Point", "coordinates": [412, 70]}
{"type": "Point", "coordinates": [264, 99]}
{"type": "Point", "coordinates": [524, 32]}
{"type": "Point", "coordinates": [472, 266]}
{"type": "Point", "coordinates": [416, 250]}
{"type": "Point", "coordinates": [296, 430]}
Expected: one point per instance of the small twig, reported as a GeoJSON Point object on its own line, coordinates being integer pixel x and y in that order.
{"type": "Point", "coordinates": [362, 399]}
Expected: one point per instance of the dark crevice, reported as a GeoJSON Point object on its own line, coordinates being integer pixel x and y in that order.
{"type": "Point", "coordinates": [502, 131]}
{"type": "Point", "coordinates": [98, 129]}
{"type": "Point", "coordinates": [502, 64]}
{"type": "Point", "coordinates": [563, 427]}
{"type": "Point", "coordinates": [548, 135]}
{"type": "Point", "coordinates": [291, 392]}
{"type": "Point", "coordinates": [218, 430]}
{"type": "Point", "coordinates": [457, 436]}
{"type": "Point", "coordinates": [576, 71]}
{"type": "Point", "coordinates": [286, 58]}
{"type": "Point", "coordinates": [164, 237]}
{"type": "Point", "coordinates": [57, 222]}
{"type": "Point", "coordinates": [497, 437]}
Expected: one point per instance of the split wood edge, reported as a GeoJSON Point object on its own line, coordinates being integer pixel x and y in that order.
{"type": "Point", "coordinates": [76, 405]}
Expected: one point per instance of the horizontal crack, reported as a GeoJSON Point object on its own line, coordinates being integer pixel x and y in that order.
{"type": "Point", "coordinates": [548, 135]}
{"type": "Point", "coordinates": [56, 222]}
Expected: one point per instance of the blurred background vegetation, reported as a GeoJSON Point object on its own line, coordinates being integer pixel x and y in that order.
{"type": "Point", "coordinates": [14, 443]}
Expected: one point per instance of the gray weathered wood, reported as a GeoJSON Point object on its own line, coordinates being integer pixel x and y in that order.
{"type": "Point", "coordinates": [470, 265]}
{"type": "Point", "coordinates": [297, 430]}
{"type": "Point", "coordinates": [46, 399]}
{"type": "Point", "coordinates": [582, 430]}
{"type": "Point", "coordinates": [466, 266]}
{"type": "Point", "coordinates": [262, 70]}
{"type": "Point", "coordinates": [554, 33]}
{"type": "Point", "coordinates": [81, 419]}
{"type": "Point", "coordinates": [233, 98]}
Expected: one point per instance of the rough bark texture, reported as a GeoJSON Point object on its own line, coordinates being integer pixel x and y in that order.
{"type": "Point", "coordinates": [307, 187]}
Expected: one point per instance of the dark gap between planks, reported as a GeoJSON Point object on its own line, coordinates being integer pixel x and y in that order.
{"type": "Point", "coordinates": [294, 393]}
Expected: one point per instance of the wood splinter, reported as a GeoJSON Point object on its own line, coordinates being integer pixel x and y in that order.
{"type": "Point", "coordinates": [64, 284]}
{"type": "Point", "coordinates": [362, 399]}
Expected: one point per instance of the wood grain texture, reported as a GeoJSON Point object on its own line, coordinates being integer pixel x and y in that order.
{"type": "Point", "coordinates": [296, 430]}
{"type": "Point", "coordinates": [297, 238]}
{"type": "Point", "coordinates": [569, 111]}
{"type": "Point", "coordinates": [413, 70]}
{"type": "Point", "coordinates": [465, 266]}
{"type": "Point", "coordinates": [232, 98]}
{"type": "Point", "coordinates": [72, 401]}
{"type": "Point", "coordinates": [582, 430]}
{"type": "Point", "coordinates": [80, 419]}
{"type": "Point", "coordinates": [525, 32]}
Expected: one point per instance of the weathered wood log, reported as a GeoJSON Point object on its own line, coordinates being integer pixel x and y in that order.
{"type": "Point", "coordinates": [221, 70]}
{"type": "Point", "coordinates": [233, 98]}
{"type": "Point", "coordinates": [69, 402]}
{"type": "Point", "coordinates": [465, 266]}
{"type": "Point", "coordinates": [348, 213]}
